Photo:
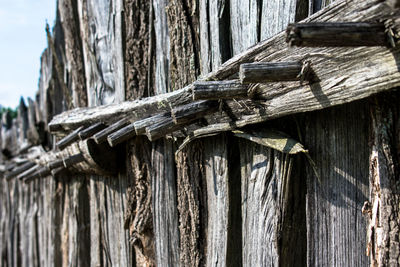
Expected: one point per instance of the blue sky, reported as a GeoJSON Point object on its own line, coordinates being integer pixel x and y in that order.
{"type": "Point", "coordinates": [22, 41]}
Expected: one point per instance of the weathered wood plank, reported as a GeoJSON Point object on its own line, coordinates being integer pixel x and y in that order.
{"type": "Point", "coordinates": [141, 125]}
{"type": "Point", "coordinates": [275, 16]}
{"type": "Point", "coordinates": [219, 90]}
{"type": "Point", "coordinates": [217, 192]}
{"type": "Point", "coordinates": [19, 169]}
{"type": "Point", "coordinates": [270, 72]}
{"type": "Point", "coordinates": [338, 145]}
{"type": "Point", "coordinates": [164, 204]}
{"type": "Point", "coordinates": [351, 34]}
{"type": "Point", "coordinates": [244, 24]}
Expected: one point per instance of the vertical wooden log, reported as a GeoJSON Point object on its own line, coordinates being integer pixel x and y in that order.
{"type": "Point", "coordinates": [162, 46]}
{"type": "Point", "coordinates": [245, 24]}
{"type": "Point", "coordinates": [68, 13]}
{"type": "Point", "coordinates": [276, 15]}
{"type": "Point", "coordinates": [191, 205]}
{"type": "Point", "coordinates": [337, 141]}
{"type": "Point", "coordinates": [136, 53]}
{"type": "Point", "coordinates": [184, 42]}
{"type": "Point", "coordinates": [383, 216]}
{"type": "Point", "coordinates": [164, 204]}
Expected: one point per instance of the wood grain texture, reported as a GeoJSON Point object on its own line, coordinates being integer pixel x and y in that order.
{"type": "Point", "coordinates": [216, 178]}
{"type": "Point", "coordinates": [338, 144]}
{"type": "Point", "coordinates": [265, 175]}
{"type": "Point", "coordinates": [162, 48]}
{"type": "Point", "coordinates": [244, 24]}
{"type": "Point", "coordinates": [275, 16]}
{"type": "Point", "coordinates": [68, 12]}
{"type": "Point", "coordinates": [270, 72]}
{"type": "Point", "coordinates": [164, 204]}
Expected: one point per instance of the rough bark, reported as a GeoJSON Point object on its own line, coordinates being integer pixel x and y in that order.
{"type": "Point", "coordinates": [383, 211]}
{"type": "Point", "coordinates": [191, 205]}
{"type": "Point", "coordinates": [136, 48]}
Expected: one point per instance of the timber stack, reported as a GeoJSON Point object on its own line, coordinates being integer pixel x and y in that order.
{"type": "Point", "coordinates": [184, 133]}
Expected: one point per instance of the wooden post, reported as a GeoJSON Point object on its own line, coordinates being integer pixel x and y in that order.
{"type": "Point", "coordinates": [321, 34]}
{"type": "Point", "coordinates": [215, 90]}
{"type": "Point", "coordinates": [91, 130]}
{"type": "Point", "coordinates": [193, 111]}
{"type": "Point", "coordinates": [121, 135]}
{"type": "Point", "coordinates": [261, 72]}
{"type": "Point", "coordinates": [101, 136]}
{"type": "Point", "coordinates": [20, 169]}
{"type": "Point", "coordinates": [69, 139]}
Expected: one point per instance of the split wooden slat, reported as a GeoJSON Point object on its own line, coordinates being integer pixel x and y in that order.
{"type": "Point", "coordinates": [333, 34]}
{"type": "Point", "coordinates": [141, 125]}
{"type": "Point", "coordinates": [101, 136]}
{"type": "Point", "coordinates": [69, 139]}
{"type": "Point", "coordinates": [261, 72]}
{"type": "Point", "coordinates": [91, 130]}
{"type": "Point", "coordinates": [165, 126]}
{"type": "Point", "coordinates": [215, 90]}
{"type": "Point", "coordinates": [121, 135]}
{"type": "Point", "coordinates": [28, 172]}
{"type": "Point", "coordinates": [193, 111]}
{"type": "Point", "coordinates": [20, 169]}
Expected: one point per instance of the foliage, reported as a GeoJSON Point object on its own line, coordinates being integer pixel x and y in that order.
{"type": "Point", "coordinates": [13, 112]}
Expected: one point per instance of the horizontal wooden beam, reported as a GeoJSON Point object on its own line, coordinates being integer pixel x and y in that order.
{"type": "Point", "coordinates": [261, 72]}
{"type": "Point", "coordinates": [101, 136]}
{"type": "Point", "coordinates": [164, 126]}
{"type": "Point", "coordinates": [323, 34]}
{"type": "Point", "coordinates": [132, 110]}
{"type": "Point", "coordinates": [193, 111]}
{"type": "Point", "coordinates": [91, 130]}
{"type": "Point", "coordinates": [121, 135]}
{"type": "Point", "coordinates": [215, 90]}
{"type": "Point", "coordinates": [69, 139]}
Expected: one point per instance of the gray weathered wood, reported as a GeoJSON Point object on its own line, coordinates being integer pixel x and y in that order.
{"type": "Point", "coordinates": [335, 224]}
{"type": "Point", "coordinates": [135, 110]}
{"type": "Point", "coordinates": [185, 114]}
{"type": "Point", "coordinates": [101, 136]}
{"type": "Point", "coordinates": [121, 135]}
{"type": "Point", "coordinates": [140, 125]}
{"type": "Point", "coordinates": [270, 72]}
{"type": "Point", "coordinates": [164, 204]}
{"type": "Point", "coordinates": [69, 139]}
{"type": "Point", "coordinates": [276, 15]}
{"type": "Point", "coordinates": [219, 90]}
{"type": "Point", "coordinates": [28, 172]}
{"type": "Point", "coordinates": [164, 126]}
{"type": "Point", "coordinates": [244, 24]}
{"type": "Point", "coordinates": [336, 34]}
{"type": "Point", "coordinates": [91, 130]}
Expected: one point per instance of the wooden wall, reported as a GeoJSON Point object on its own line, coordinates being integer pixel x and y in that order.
{"type": "Point", "coordinates": [221, 201]}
